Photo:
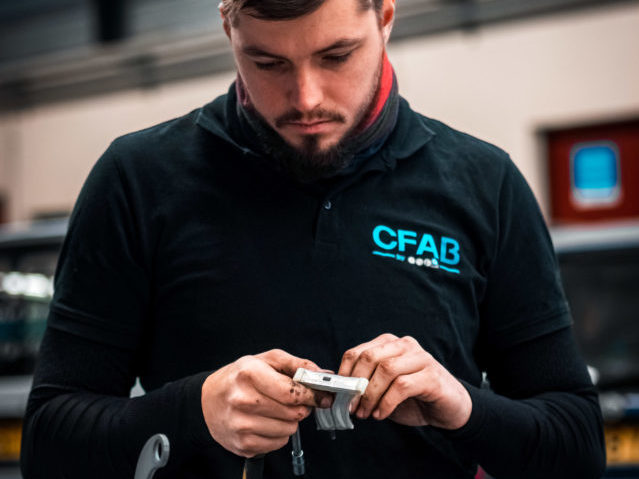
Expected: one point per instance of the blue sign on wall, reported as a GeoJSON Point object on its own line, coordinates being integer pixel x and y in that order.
{"type": "Point", "coordinates": [595, 174]}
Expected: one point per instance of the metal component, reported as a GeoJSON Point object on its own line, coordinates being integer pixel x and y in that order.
{"type": "Point", "coordinates": [299, 466]}
{"type": "Point", "coordinates": [154, 455]}
{"type": "Point", "coordinates": [337, 417]}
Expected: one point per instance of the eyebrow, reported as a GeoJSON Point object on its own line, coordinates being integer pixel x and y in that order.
{"type": "Point", "coordinates": [342, 43]}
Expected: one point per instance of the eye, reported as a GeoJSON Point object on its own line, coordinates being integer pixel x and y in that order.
{"type": "Point", "coordinates": [337, 59]}
{"type": "Point", "coordinates": [268, 65]}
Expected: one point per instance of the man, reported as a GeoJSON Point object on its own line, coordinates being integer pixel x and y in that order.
{"type": "Point", "coordinates": [306, 216]}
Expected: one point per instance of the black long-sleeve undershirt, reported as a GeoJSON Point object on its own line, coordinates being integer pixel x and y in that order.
{"type": "Point", "coordinates": [543, 420]}
{"type": "Point", "coordinates": [541, 417]}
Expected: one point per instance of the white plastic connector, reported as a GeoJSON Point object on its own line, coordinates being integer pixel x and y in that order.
{"type": "Point", "coordinates": [336, 417]}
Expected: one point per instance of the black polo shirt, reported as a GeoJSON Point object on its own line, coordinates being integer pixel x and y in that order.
{"type": "Point", "coordinates": [186, 251]}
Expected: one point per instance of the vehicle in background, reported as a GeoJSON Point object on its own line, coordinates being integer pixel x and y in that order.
{"type": "Point", "coordinates": [28, 256]}
{"type": "Point", "coordinates": [600, 271]}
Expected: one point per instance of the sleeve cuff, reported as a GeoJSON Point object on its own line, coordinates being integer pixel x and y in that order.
{"type": "Point", "coordinates": [198, 431]}
{"type": "Point", "coordinates": [472, 429]}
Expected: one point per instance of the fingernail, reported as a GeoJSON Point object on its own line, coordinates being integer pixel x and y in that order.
{"type": "Point", "coordinates": [325, 402]}
{"type": "Point", "coordinates": [376, 414]}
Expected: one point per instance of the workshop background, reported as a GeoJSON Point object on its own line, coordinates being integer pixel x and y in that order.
{"type": "Point", "coordinates": [553, 82]}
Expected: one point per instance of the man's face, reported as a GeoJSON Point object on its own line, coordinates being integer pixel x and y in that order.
{"type": "Point", "coordinates": [311, 78]}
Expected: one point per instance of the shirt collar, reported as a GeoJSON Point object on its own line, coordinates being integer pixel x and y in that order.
{"type": "Point", "coordinates": [408, 136]}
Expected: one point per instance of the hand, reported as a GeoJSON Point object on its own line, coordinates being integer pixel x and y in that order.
{"type": "Point", "coordinates": [406, 384]}
{"type": "Point", "coordinates": [252, 405]}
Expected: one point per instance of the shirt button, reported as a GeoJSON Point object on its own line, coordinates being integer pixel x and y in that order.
{"type": "Point", "coordinates": [328, 205]}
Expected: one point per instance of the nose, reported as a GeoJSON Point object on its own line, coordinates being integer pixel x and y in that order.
{"type": "Point", "coordinates": [306, 91]}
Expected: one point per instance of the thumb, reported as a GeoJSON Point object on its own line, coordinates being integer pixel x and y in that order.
{"type": "Point", "coordinates": [286, 363]}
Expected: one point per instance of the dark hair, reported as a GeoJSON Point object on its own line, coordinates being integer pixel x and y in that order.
{"type": "Point", "coordinates": [281, 9]}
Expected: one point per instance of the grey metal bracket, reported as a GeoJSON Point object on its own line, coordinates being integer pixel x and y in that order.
{"type": "Point", "coordinates": [154, 455]}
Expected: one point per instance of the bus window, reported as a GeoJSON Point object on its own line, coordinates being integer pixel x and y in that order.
{"type": "Point", "coordinates": [601, 287]}
{"type": "Point", "coordinates": [26, 288]}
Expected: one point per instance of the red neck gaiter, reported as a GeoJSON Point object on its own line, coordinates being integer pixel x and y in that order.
{"type": "Point", "coordinates": [385, 88]}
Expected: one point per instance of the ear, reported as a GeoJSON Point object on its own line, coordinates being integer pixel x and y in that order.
{"type": "Point", "coordinates": [388, 17]}
{"type": "Point", "coordinates": [225, 21]}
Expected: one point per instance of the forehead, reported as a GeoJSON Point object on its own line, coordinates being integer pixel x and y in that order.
{"type": "Point", "coordinates": [334, 20]}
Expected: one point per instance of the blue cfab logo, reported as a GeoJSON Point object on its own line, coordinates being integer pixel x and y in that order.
{"type": "Point", "coordinates": [595, 174]}
{"type": "Point", "coordinates": [417, 249]}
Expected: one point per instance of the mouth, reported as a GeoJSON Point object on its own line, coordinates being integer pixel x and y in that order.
{"type": "Point", "coordinates": [310, 128]}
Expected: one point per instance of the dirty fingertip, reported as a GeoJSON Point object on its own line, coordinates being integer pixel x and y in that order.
{"type": "Point", "coordinates": [323, 399]}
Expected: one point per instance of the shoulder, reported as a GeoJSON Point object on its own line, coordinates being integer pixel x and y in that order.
{"type": "Point", "coordinates": [440, 146]}
{"type": "Point", "coordinates": [149, 163]}
{"type": "Point", "coordinates": [460, 160]}
{"type": "Point", "coordinates": [450, 138]}
{"type": "Point", "coordinates": [177, 148]}
{"type": "Point", "coordinates": [170, 134]}
{"type": "Point", "coordinates": [462, 150]}
{"type": "Point", "coordinates": [184, 134]}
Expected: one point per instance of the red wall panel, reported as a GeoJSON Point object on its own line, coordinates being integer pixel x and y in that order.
{"type": "Point", "coordinates": [564, 207]}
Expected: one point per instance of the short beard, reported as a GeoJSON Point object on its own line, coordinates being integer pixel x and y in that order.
{"type": "Point", "coordinates": [308, 163]}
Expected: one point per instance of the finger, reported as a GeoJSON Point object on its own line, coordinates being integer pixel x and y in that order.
{"type": "Point", "coordinates": [247, 424]}
{"type": "Point", "coordinates": [286, 363]}
{"type": "Point", "coordinates": [279, 387]}
{"type": "Point", "coordinates": [350, 357]}
{"type": "Point", "coordinates": [401, 389]}
{"type": "Point", "coordinates": [387, 370]}
{"type": "Point", "coordinates": [368, 360]}
{"type": "Point", "coordinates": [368, 355]}
{"type": "Point", "coordinates": [268, 407]}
